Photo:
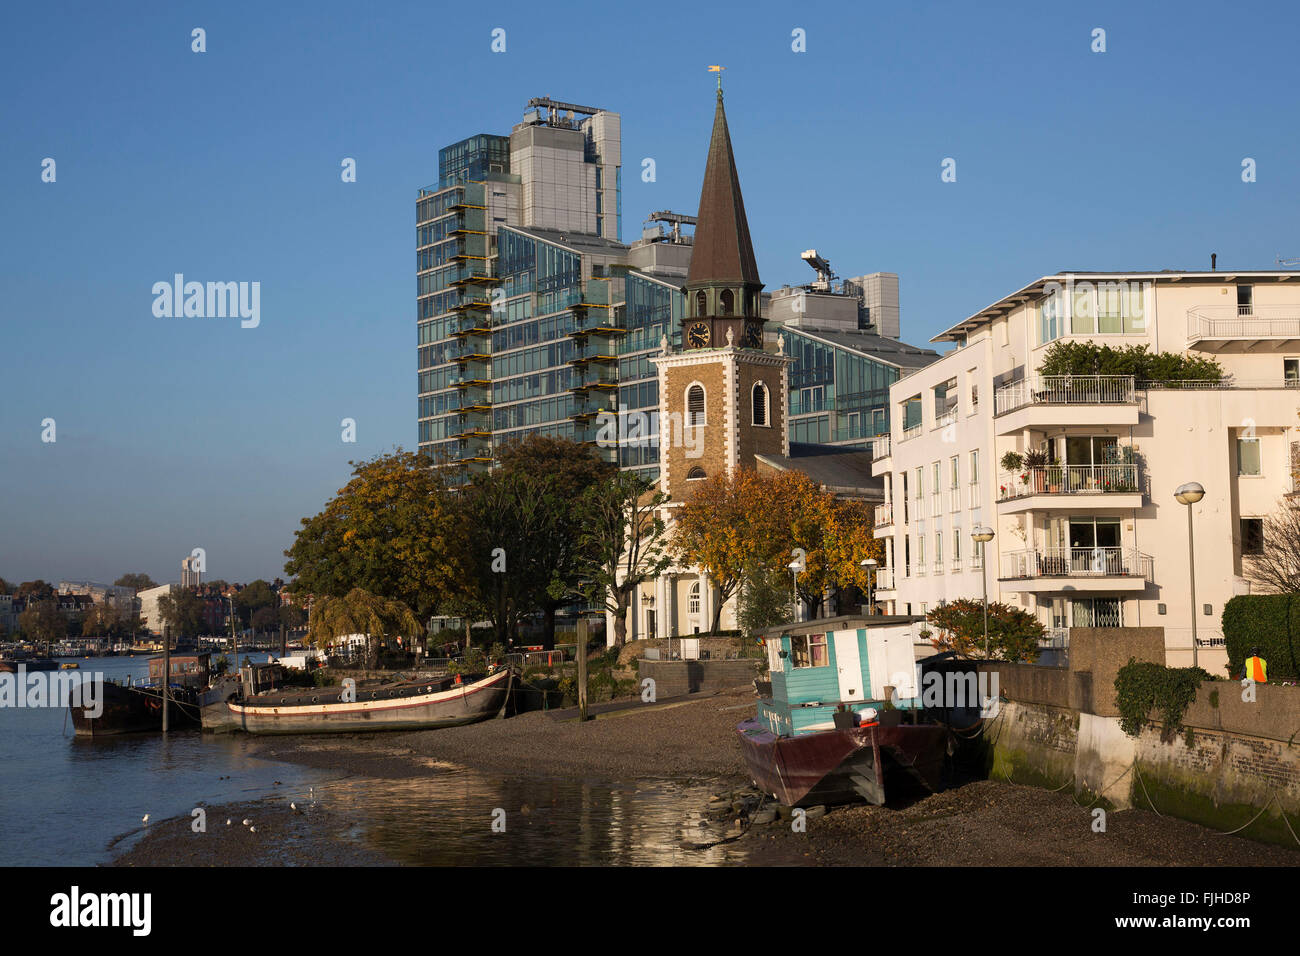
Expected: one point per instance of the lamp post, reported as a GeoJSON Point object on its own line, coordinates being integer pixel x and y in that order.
{"type": "Point", "coordinates": [870, 564]}
{"type": "Point", "coordinates": [1189, 494]}
{"type": "Point", "coordinates": [982, 535]}
{"type": "Point", "coordinates": [795, 567]}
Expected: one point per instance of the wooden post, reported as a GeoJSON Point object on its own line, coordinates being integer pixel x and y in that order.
{"type": "Point", "coordinates": [581, 633]}
{"type": "Point", "coordinates": [167, 673]}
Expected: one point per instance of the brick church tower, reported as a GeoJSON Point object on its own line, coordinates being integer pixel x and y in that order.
{"type": "Point", "coordinates": [722, 398]}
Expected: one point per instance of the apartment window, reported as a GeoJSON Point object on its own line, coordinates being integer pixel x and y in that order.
{"type": "Point", "coordinates": [920, 489]}
{"type": "Point", "coordinates": [1291, 372]}
{"type": "Point", "coordinates": [953, 470]}
{"type": "Point", "coordinates": [1252, 535]}
{"type": "Point", "coordinates": [1245, 299]}
{"type": "Point", "coordinates": [975, 467]}
{"type": "Point", "coordinates": [1050, 324]}
{"type": "Point", "coordinates": [938, 552]}
{"type": "Point", "coordinates": [1248, 457]}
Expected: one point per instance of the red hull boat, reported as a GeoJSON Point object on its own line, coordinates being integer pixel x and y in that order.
{"type": "Point", "coordinates": [846, 764]}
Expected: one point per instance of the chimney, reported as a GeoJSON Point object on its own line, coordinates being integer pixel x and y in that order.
{"type": "Point", "coordinates": [1213, 258]}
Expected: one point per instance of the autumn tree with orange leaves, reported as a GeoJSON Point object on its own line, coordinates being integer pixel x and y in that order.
{"type": "Point", "coordinates": [739, 523]}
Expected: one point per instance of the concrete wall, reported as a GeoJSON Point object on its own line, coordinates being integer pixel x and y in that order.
{"type": "Point", "coordinates": [1101, 652]}
{"type": "Point", "coordinates": [673, 678]}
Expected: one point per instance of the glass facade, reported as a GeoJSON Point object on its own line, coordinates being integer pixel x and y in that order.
{"type": "Point", "coordinates": [837, 395]}
{"type": "Point", "coordinates": [472, 159]}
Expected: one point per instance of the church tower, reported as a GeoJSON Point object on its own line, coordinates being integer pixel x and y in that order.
{"type": "Point", "coordinates": [722, 398]}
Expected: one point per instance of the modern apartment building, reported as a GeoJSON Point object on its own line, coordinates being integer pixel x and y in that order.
{"type": "Point", "coordinates": [533, 318]}
{"type": "Point", "coordinates": [1087, 531]}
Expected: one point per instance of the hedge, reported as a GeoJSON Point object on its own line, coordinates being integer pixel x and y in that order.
{"type": "Point", "coordinates": [1270, 622]}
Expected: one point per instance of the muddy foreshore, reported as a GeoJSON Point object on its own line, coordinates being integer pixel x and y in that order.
{"type": "Point", "coordinates": [984, 823]}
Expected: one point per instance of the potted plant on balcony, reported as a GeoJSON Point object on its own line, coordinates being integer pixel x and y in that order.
{"type": "Point", "coordinates": [1035, 460]}
{"type": "Point", "coordinates": [1011, 463]}
{"type": "Point", "coordinates": [1054, 477]}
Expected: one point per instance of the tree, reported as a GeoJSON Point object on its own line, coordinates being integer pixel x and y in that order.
{"type": "Point", "coordinates": [623, 544]}
{"type": "Point", "coordinates": [255, 596]}
{"type": "Point", "coordinates": [572, 469]}
{"type": "Point", "coordinates": [385, 532]}
{"type": "Point", "coordinates": [5, 587]}
{"type": "Point", "coordinates": [37, 590]}
{"type": "Point", "coordinates": [182, 610]}
{"type": "Point", "coordinates": [43, 621]}
{"type": "Point", "coordinates": [291, 616]}
{"type": "Point", "coordinates": [265, 619]}
{"type": "Point", "coordinates": [360, 612]}
{"type": "Point", "coordinates": [509, 522]}
{"type": "Point", "coordinates": [1013, 633]}
{"type": "Point", "coordinates": [1275, 566]}
{"type": "Point", "coordinates": [137, 580]}
{"type": "Point", "coordinates": [715, 530]}
{"type": "Point", "coordinates": [764, 600]}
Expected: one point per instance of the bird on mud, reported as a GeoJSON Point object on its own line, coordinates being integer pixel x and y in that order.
{"type": "Point", "coordinates": [146, 818]}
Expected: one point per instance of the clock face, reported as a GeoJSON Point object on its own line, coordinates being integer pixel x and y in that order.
{"type": "Point", "coordinates": [697, 336]}
{"type": "Point", "coordinates": [753, 337]}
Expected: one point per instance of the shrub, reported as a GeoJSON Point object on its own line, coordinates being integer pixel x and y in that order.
{"type": "Point", "coordinates": [1087, 358]}
{"type": "Point", "coordinates": [1270, 622]}
{"type": "Point", "coordinates": [1143, 686]}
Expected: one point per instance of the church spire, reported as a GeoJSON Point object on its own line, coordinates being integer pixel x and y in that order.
{"type": "Point", "coordinates": [722, 286]}
{"type": "Point", "coordinates": [723, 252]}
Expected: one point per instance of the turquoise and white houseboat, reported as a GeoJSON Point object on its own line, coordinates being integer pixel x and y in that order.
{"type": "Point", "coordinates": [840, 717]}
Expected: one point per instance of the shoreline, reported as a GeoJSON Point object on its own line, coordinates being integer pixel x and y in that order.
{"type": "Point", "coordinates": [685, 745]}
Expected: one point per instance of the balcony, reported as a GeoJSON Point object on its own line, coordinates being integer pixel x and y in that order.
{"type": "Point", "coordinates": [1046, 401]}
{"type": "Point", "coordinates": [1076, 569]}
{"type": "Point", "coordinates": [1062, 486]}
{"type": "Point", "coordinates": [910, 433]}
{"type": "Point", "coordinates": [884, 580]}
{"type": "Point", "coordinates": [880, 448]}
{"type": "Point", "coordinates": [884, 515]}
{"type": "Point", "coordinates": [1222, 328]}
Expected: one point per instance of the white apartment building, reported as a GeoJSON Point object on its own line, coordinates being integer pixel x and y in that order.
{"type": "Point", "coordinates": [1091, 535]}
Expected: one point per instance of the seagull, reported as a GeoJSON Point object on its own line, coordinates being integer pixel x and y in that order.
{"type": "Point", "coordinates": [146, 818]}
{"type": "Point", "coordinates": [247, 822]}
{"type": "Point", "coordinates": [252, 829]}
{"type": "Point", "coordinates": [227, 823]}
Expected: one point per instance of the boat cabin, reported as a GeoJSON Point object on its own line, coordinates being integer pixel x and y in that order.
{"type": "Point", "coordinates": [187, 670]}
{"type": "Point", "coordinates": [819, 667]}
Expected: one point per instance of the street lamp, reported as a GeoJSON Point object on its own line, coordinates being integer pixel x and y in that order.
{"type": "Point", "coordinates": [1189, 494]}
{"type": "Point", "coordinates": [982, 535]}
{"type": "Point", "coordinates": [795, 567]}
{"type": "Point", "coordinates": [870, 565]}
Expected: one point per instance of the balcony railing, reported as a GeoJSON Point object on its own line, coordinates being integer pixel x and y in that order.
{"type": "Point", "coordinates": [954, 499]}
{"type": "Point", "coordinates": [1065, 390]}
{"type": "Point", "coordinates": [884, 514]}
{"type": "Point", "coordinates": [1243, 322]}
{"type": "Point", "coordinates": [1076, 562]}
{"type": "Point", "coordinates": [880, 448]}
{"type": "Point", "coordinates": [884, 579]}
{"type": "Point", "coordinates": [1069, 480]}
{"type": "Point", "coordinates": [910, 433]}
{"type": "Point", "coordinates": [943, 418]}
{"type": "Point", "coordinates": [1057, 638]}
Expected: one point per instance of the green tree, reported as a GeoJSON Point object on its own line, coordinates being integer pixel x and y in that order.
{"type": "Point", "coordinates": [183, 612]}
{"type": "Point", "coordinates": [138, 580]}
{"type": "Point", "coordinates": [765, 599]}
{"type": "Point", "coordinates": [623, 543]}
{"type": "Point", "coordinates": [571, 470]}
{"type": "Point", "coordinates": [42, 621]}
{"type": "Point", "coordinates": [1013, 633]}
{"type": "Point", "coordinates": [255, 596]}
{"type": "Point", "coordinates": [360, 612]}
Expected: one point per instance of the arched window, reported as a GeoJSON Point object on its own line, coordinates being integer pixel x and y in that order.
{"type": "Point", "coordinates": [701, 304]}
{"type": "Point", "coordinates": [695, 405]}
{"type": "Point", "coordinates": [695, 474]}
{"type": "Point", "coordinates": [693, 602]}
{"type": "Point", "coordinates": [760, 404]}
{"type": "Point", "coordinates": [728, 302]}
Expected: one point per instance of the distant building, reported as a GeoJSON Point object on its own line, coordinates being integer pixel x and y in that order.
{"type": "Point", "coordinates": [190, 572]}
{"type": "Point", "coordinates": [148, 599]}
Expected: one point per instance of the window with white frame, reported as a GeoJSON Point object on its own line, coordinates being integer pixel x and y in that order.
{"type": "Point", "coordinates": [1248, 462]}
{"type": "Point", "coordinates": [760, 405]}
{"type": "Point", "coordinates": [695, 405]}
{"type": "Point", "coordinates": [693, 601]}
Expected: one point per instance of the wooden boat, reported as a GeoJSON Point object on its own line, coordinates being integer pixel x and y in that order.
{"type": "Point", "coordinates": [409, 705]}
{"type": "Point", "coordinates": [842, 718]}
{"type": "Point", "coordinates": [138, 709]}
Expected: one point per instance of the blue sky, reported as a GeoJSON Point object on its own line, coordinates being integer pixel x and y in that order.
{"type": "Point", "coordinates": [174, 434]}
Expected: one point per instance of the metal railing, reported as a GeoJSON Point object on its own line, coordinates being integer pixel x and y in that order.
{"type": "Point", "coordinates": [1065, 390]}
{"type": "Point", "coordinates": [884, 579]}
{"type": "Point", "coordinates": [884, 514]}
{"type": "Point", "coordinates": [1076, 562]}
{"type": "Point", "coordinates": [910, 433]}
{"type": "Point", "coordinates": [1069, 480]}
{"type": "Point", "coordinates": [1056, 638]}
{"type": "Point", "coordinates": [880, 448]}
{"type": "Point", "coordinates": [946, 417]}
{"type": "Point", "coordinates": [1243, 322]}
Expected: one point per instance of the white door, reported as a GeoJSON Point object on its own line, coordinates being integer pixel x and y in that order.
{"type": "Point", "coordinates": [849, 664]}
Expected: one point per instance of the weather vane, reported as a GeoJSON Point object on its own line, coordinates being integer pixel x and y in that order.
{"type": "Point", "coordinates": [718, 70]}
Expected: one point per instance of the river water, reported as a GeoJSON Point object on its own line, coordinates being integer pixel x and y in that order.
{"type": "Point", "coordinates": [75, 801]}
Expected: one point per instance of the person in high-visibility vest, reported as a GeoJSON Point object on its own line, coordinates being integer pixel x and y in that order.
{"type": "Point", "coordinates": [1256, 667]}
